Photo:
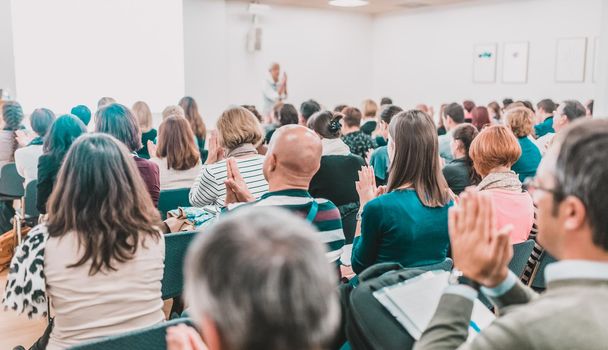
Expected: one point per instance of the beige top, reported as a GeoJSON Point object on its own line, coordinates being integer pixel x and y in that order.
{"type": "Point", "coordinates": [171, 179]}
{"type": "Point", "coordinates": [87, 307]}
{"type": "Point", "coordinates": [7, 142]}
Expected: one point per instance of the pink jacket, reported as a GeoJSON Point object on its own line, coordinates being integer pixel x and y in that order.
{"type": "Point", "coordinates": [514, 208]}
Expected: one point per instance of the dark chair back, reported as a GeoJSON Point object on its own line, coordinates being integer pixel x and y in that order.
{"type": "Point", "coordinates": [521, 254]}
{"type": "Point", "coordinates": [538, 278]}
{"type": "Point", "coordinates": [173, 199]}
{"type": "Point", "coordinates": [176, 246]}
{"type": "Point", "coordinates": [151, 338]}
{"type": "Point", "coordinates": [29, 205]}
{"type": "Point", "coordinates": [348, 214]}
{"type": "Point", "coordinates": [11, 183]}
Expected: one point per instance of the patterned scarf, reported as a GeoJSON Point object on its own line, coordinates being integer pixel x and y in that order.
{"type": "Point", "coordinates": [501, 180]}
{"type": "Point", "coordinates": [25, 290]}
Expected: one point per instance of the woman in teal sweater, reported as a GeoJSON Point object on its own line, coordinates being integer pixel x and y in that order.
{"type": "Point", "coordinates": [520, 121]}
{"type": "Point", "coordinates": [407, 221]}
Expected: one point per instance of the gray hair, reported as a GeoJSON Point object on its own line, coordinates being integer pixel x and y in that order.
{"type": "Point", "coordinates": [264, 281]}
{"type": "Point", "coordinates": [41, 120]}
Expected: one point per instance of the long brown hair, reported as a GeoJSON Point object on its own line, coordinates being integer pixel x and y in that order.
{"type": "Point", "coordinates": [176, 143]}
{"type": "Point", "coordinates": [97, 174]}
{"type": "Point", "coordinates": [416, 160]}
{"type": "Point", "coordinates": [194, 117]}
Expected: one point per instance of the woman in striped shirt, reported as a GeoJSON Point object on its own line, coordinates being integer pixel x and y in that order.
{"type": "Point", "coordinates": [238, 134]}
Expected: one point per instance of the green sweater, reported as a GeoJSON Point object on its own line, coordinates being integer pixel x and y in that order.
{"type": "Point", "coordinates": [397, 227]}
{"type": "Point", "coordinates": [530, 158]}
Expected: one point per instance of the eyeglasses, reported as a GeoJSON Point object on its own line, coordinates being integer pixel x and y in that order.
{"type": "Point", "coordinates": [531, 185]}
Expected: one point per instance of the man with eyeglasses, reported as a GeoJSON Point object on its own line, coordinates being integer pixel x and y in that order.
{"type": "Point", "coordinates": [570, 191]}
{"type": "Point", "coordinates": [567, 112]}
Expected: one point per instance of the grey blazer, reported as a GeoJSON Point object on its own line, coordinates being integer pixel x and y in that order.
{"type": "Point", "coordinates": [571, 314]}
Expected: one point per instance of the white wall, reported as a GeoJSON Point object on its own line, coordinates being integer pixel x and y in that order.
{"type": "Point", "coordinates": [7, 59]}
{"type": "Point", "coordinates": [427, 56]}
{"type": "Point", "coordinates": [326, 55]}
{"type": "Point", "coordinates": [70, 52]}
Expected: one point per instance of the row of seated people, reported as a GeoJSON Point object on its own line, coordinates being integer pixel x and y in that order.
{"type": "Point", "coordinates": [406, 221]}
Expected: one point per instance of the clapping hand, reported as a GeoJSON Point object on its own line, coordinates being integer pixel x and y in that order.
{"type": "Point", "coordinates": [480, 250]}
{"type": "Point", "coordinates": [23, 138]}
{"type": "Point", "coordinates": [152, 148]}
{"type": "Point", "coordinates": [366, 186]}
{"type": "Point", "coordinates": [236, 188]}
{"type": "Point", "coordinates": [216, 152]}
{"type": "Point", "coordinates": [182, 337]}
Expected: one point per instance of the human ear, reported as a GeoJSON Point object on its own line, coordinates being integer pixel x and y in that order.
{"type": "Point", "coordinates": [574, 212]}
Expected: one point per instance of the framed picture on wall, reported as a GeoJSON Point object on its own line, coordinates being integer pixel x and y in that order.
{"type": "Point", "coordinates": [484, 63]}
{"type": "Point", "coordinates": [515, 62]}
{"type": "Point", "coordinates": [570, 59]}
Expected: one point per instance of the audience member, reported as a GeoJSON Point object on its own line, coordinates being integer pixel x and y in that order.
{"type": "Point", "coordinates": [544, 117]}
{"type": "Point", "coordinates": [238, 134]}
{"type": "Point", "coordinates": [405, 222]}
{"type": "Point", "coordinates": [571, 314]}
{"type": "Point", "coordinates": [379, 159]}
{"type": "Point", "coordinates": [26, 157]}
{"type": "Point", "coordinates": [529, 106]}
{"type": "Point", "coordinates": [339, 108]}
{"type": "Point", "coordinates": [173, 110]}
{"type": "Point", "coordinates": [589, 108]}
{"type": "Point", "coordinates": [494, 151]}
{"type": "Point", "coordinates": [567, 112]}
{"type": "Point", "coordinates": [100, 264]}
{"type": "Point", "coordinates": [274, 292]}
{"type": "Point", "coordinates": [83, 113]}
{"type": "Point", "coordinates": [148, 133]}
{"type": "Point", "coordinates": [459, 172]}
{"type": "Point", "coordinates": [197, 123]}
{"type": "Point", "coordinates": [506, 102]}
{"type": "Point", "coordinates": [468, 106]}
{"type": "Point", "coordinates": [480, 118]}
{"type": "Point", "coordinates": [453, 116]}
{"type": "Point", "coordinates": [441, 130]}
{"type": "Point", "coordinates": [335, 179]}
{"type": "Point", "coordinates": [369, 121]}
{"type": "Point", "coordinates": [358, 141]}
{"type": "Point", "coordinates": [252, 109]}
{"type": "Point", "coordinates": [104, 101]}
{"type": "Point", "coordinates": [12, 116]}
{"type": "Point", "coordinates": [176, 155]}
{"type": "Point", "coordinates": [495, 113]}
{"type": "Point", "coordinates": [64, 130]}
{"type": "Point", "coordinates": [118, 121]}
{"type": "Point", "coordinates": [521, 122]}
{"type": "Point", "coordinates": [286, 114]}
{"type": "Point", "coordinates": [386, 101]}
{"type": "Point", "coordinates": [307, 109]}
{"type": "Point", "coordinates": [294, 157]}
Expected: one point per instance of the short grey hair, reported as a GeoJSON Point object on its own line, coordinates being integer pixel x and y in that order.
{"type": "Point", "coordinates": [264, 281]}
{"type": "Point", "coordinates": [41, 120]}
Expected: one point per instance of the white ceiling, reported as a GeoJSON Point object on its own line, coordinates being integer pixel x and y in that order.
{"type": "Point", "coordinates": [376, 6]}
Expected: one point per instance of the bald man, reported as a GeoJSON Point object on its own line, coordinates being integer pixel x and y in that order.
{"type": "Point", "coordinates": [274, 91]}
{"type": "Point", "coordinates": [293, 158]}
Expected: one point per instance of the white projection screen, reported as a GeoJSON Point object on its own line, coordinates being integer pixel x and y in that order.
{"type": "Point", "coordinates": [70, 52]}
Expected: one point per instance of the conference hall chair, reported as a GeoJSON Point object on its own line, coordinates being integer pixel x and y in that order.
{"type": "Point", "coordinates": [176, 246]}
{"type": "Point", "coordinates": [151, 338]}
{"type": "Point", "coordinates": [11, 183]}
{"type": "Point", "coordinates": [538, 277]}
{"type": "Point", "coordinates": [173, 199]}
{"type": "Point", "coordinates": [521, 254]}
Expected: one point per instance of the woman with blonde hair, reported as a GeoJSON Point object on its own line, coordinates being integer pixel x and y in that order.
{"type": "Point", "coordinates": [176, 154]}
{"type": "Point", "coordinates": [148, 133]}
{"type": "Point", "coordinates": [369, 122]}
{"type": "Point", "coordinates": [493, 152]}
{"type": "Point", "coordinates": [521, 121]}
{"type": "Point", "coordinates": [238, 134]}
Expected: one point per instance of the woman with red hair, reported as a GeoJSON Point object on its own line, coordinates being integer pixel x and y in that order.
{"type": "Point", "coordinates": [480, 117]}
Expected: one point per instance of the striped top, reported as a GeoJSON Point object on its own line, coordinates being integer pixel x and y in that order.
{"type": "Point", "coordinates": [209, 188]}
{"type": "Point", "coordinates": [327, 221]}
